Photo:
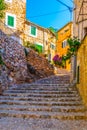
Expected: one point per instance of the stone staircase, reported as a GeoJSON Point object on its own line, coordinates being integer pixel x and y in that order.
{"type": "Point", "coordinates": [49, 98]}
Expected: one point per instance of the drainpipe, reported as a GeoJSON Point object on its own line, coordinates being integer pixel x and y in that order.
{"type": "Point", "coordinates": [43, 42]}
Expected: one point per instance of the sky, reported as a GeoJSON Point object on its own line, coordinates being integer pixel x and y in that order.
{"type": "Point", "coordinates": [48, 13]}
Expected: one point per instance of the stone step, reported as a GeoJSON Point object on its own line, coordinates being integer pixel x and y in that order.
{"type": "Point", "coordinates": [43, 108]}
{"type": "Point", "coordinates": [53, 82]}
{"type": "Point", "coordinates": [43, 115]}
{"type": "Point", "coordinates": [45, 88]}
{"type": "Point", "coordinates": [40, 95]}
{"type": "Point", "coordinates": [63, 99]}
{"type": "Point", "coordinates": [42, 92]}
{"type": "Point", "coordinates": [41, 103]}
{"type": "Point", "coordinates": [40, 86]}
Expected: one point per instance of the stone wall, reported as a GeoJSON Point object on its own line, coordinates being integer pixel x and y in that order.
{"type": "Point", "coordinates": [40, 66]}
{"type": "Point", "coordinates": [4, 82]}
{"type": "Point", "coordinates": [14, 59]}
{"type": "Point", "coordinates": [80, 21]}
{"type": "Point", "coordinates": [17, 8]}
{"type": "Point", "coordinates": [82, 74]}
{"type": "Point", "coordinates": [20, 65]}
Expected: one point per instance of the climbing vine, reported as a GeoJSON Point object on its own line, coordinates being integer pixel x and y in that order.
{"type": "Point", "coordinates": [74, 44]}
{"type": "Point", "coordinates": [3, 6]}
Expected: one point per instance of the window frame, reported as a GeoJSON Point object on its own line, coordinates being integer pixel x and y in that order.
{"type": "Point", "coordinates": [52, 46]}
{"type": "Point", "coordinates": [11, 15]}
{"type": "Point", "coordinates": [30, 31]}
{"type": "Point", "coordinates": [64, 43]}
{"type": "Point", "coordinates": [10, 1]}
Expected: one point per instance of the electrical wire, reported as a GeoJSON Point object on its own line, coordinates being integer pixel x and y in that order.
{"type": "Point", "coordinates": [69, 8]}
{"type": "Point", "coordinates": [47, 14]}
{"type": "Point", "coordinates": [72, 1]}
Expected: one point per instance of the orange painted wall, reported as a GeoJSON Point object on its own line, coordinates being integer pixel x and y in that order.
{"type": "Point", "coordinates": [63, 34]}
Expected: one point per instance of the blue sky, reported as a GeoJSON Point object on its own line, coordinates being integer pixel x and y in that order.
{"type": "Point", "coordinates": [38, 11]}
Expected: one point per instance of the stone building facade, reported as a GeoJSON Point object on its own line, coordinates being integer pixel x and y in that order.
{"type": "Point", "coordinates": [80, 31]}
{"type": "Point", "coordinates": [80, 18]}
{"type": "Point", "coordinates": [63, 34]}
{"type": "Point", "coordinates": [13, 23]}
{"type": "Point", "coordinates": [16, 26]}
{"type": "Point", "coordinates": [42, 37]}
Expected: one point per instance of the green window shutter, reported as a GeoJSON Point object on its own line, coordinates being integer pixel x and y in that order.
{"type": "Point", "coordinates": [33, 30]}
{"type": "Point", "coordinates": [11, 21]}
{"type": "Point", "coordinates": [39, 47]}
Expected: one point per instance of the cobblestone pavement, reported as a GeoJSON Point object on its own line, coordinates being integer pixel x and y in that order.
{"type": "Point", "coordinates": [43, 124]}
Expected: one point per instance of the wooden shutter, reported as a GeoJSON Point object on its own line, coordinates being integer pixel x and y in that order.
{"type": "Point", "coordinates": [11, 21]}
{"type": "Point", "coordinates": [33, 30]}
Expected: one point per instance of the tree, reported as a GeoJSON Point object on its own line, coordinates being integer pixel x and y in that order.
{"type": "Point", "coordinates": [2, 8]}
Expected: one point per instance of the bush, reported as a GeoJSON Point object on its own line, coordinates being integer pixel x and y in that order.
{"type": "Point", "coordinates": [32, 46]}
{"type": "Point", "coordinates": [57, 60]}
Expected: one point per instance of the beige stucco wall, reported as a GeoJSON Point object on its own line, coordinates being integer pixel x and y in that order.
{"type": "Point", "coordinates": [82, 63]}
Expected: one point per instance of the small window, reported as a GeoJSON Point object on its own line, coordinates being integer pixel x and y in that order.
{"type": "Point", "coordinates": [85, 31]}
{"type": "Point", "coordinates": [64, 44]}
{"type": "Point", "coordinates": [10, 20]}
{"type": "Point", "coordinates": [33, 31]}
{"type": "Point", "coordinates": [52, 46]}
{"type": "Point", "coordinates": [66, 30]}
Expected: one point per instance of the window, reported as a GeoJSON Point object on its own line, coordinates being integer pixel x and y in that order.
{"type": "Point", "coordinates": [10, 20]}
{"type": "Point", "coordinates": [33, 31]}
{"type": "Point", "coordinates": [52, 46]}
{"type": "Point", "coordinates": [64, 44]}
{"type": "Point", "coordinates": [10, 1]}
{"type": "Point", "coordinates": [66, 30]}
{"type": "Point", "coordinates": [49, 57]}
{"type": "Point", "coordinates": [85, 31]}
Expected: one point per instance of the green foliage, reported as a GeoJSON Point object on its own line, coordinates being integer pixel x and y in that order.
{"type": "Point", "coordinates": [1, 61]}
{"type": "Point", "coordinates": [32, 46]}
{"type": "Point", "coordinates": [3, 6]}
{"type": "Point", "coordinates": [74, 45]}
{"type": "Point", "coordinates": [26, 44]}
{"type": "Point", "coordinates": [53, 30]}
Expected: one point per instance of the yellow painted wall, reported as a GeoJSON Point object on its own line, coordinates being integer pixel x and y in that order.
{"type": "Point", "coordinates": [82, 63]}
{"type": "Point", "coordinates": [63, 34]}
